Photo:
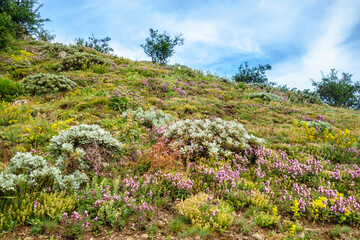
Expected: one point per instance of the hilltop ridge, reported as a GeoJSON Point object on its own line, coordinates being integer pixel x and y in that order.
{"type": "Point", "coordinates": [263, 160]}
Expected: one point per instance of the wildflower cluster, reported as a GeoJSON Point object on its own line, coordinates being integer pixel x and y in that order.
{"type": "Point", "coordinates": [124, 99]}
{"type": "Point", "coordinates": [322, 132]}
{"type": "Point", "coordinates": [11, 114]}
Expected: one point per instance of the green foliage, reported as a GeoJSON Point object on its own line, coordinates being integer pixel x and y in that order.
{"type": "Point", "coordinates": [44, 35]}
{"type": "Point", "coordinates": [81, 60]}
{"type": "Point", "coordinates": [338, 92]}
{"type": "Point", "coordinates": [8, 89]}
{"type": "Point", "coordinates": [34, 208]}
{"type": "Point", "coordinates": [205, 213]}
{"type": "Point", "coordinates": [267, 219]}
{"type": "Point", "coordinates": [318, 125]}
{"type": "Point", "coordinates": [5, 30]}
{"type": "Point", "coordinates": [45, 83]}
{"type": "Point", "coordinates": [150, 117]}
{"type": "Point", "coordinates": [100, 45]}
{"type": "Point", "coordinates": [55, 48]}
{"type": "Point", "coordinates": [303, 96]}
{"type": "Point", "coordinates": [265, 96]}
{"type": "Point", "coordinates": [19, 18]}
{"type": "Point", "coordinates": [251, 75]}
{"type": "Point", "coordinates": [160, 47]}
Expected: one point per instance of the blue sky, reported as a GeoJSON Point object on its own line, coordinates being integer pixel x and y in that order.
{"type": "Point", "coordinates": [299, 38]}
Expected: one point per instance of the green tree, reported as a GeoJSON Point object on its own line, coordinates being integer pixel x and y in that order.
{"type": "Point", "coordinates": [5, 30]}
{"type": "Point", "coordinates": [337, 92]}
{"type": "Point", "coordinates": [25, 16]}
{"type": "Point", "coordinates": [100, 45]}
{"type": "Point", "coordinates": [252, 75]}
{"type": "Point", "coordinates": [160, 46]}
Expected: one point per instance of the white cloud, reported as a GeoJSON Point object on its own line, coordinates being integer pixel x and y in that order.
{"type": "Point", "coordinates": [326, 51]}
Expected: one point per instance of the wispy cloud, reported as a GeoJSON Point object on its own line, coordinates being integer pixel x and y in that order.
{"type": "Point", "coordinates": [298, 38]}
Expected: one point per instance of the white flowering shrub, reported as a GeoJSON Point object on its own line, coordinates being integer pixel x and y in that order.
{"type": "Point", "coordinates": [265, 96]}
{"type": "Point", "coordinates": [72, 143]}
{"type": "Point", "coordinates": [29, 170]}
{"type": "Point", "coordinates": [209, 138]}
{"type": "Point", "coordinates": [81, 60]}
{"type": "Point", "coordinates": [44, 83]}
{"type": "Point", "coordinates": [150, 117]}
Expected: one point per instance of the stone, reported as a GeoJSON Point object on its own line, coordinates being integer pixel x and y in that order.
{"type": "Point", "coordinates": [144, 236]}
{"type": "Point", "coordinates": [62, 54]}
{"type": "Point", "coordinates": [257, 236]}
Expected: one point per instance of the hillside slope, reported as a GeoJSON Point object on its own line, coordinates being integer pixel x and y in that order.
{"type": "Point", "coordinates": [259, 162]}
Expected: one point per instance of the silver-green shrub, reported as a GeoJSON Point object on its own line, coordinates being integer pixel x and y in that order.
{"type": "Point", "coordinates": [265, 96]}
{"type": "Point", "coordinates": [81, 60]}
{"type": "Point", "coordinates": [318, 125]}
{"type": "Point", "coordinates": [29, 170]}
{"type": "Point", "coordinates": [45, 83]}
{"type": "Point", "coordinates": [150, 117]}
{"type": "Point", "coordinates": [209, 138]}
{"type": "Point", "coordinates": [69, 144]}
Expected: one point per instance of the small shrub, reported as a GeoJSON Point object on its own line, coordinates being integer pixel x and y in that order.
{"type": "Point", "coordinates": [319, 125]}
{"type": "Point", "coordinates": [205, 213]}
{"type": "Point", "coordinates": [45, 83]}
{"type": "Point", "coordinates": [209, 138]}
{"type": "Point", "coordinates": [265, 96]}
{"type": "Point", "coordinates": [124, 99]}
{"type": "Point", "coordinates": [100, 45]}
{"type": "Point", "coordinates": [267, 219]}
{"type": "Point", "coordinates": [41, 206]}
{"type": "Point", "coordinates": [303, 96]}
{"type": "Point", "coordinates": [160, 46]}
{"type": "Point", "coordinates": [55, 48]}
{"type": "Point", "coordinates": [83, 146]}
{"type": "Point", "coordinates": [149, 118]}
{"type": "Point", "coordinates": [8, 89]}
{"type": "Point", "coordinates": [81, 60]}
{"type": "Point", "coordinates": [29, 171]}
{"type": "Point", "coordinates": [252, 75]}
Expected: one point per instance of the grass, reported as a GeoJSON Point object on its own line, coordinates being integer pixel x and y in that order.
{"type": "Point", "coordinates": [127, 186]}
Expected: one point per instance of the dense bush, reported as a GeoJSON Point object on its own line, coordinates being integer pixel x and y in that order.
{"type": "Point", "coordinates": [83, 146]}
{"type": "Point", "coordinates": [265, 96]}
{"type": "Point", "coordinates": [339, 92]}
{"type": "Point", "coordinates": [318, 125]}
{"type": "Point", "coordinates": [28, 171]}
{"type": "Point", "coordinates": [44, 83]}
{"type": "Point", "coordinates": [150, 117]}
{"type": "Point", "coordinates": [209, 138]}
{"type": "Point", "coordinates": [8, 89]}
{"type": "Point", "coordinates": [100, 45]}
{"type": "Point", "coordinates": [81, 60]}
{"type": "Point", "coordinates": [160, 46]}
{"type": "Point", "coordinates": [206, 213]}
{"type": "Point", "coordinates": [18, 18]}
{"type": "Point", "coordinates": [303, 96]}
{"type": "Point", "coordinates": [55, 48]}
{"type": "Point", "coordinates": [252, 75]}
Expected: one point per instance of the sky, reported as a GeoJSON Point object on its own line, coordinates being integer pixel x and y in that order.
{"type": "Point", "coordinates": [298, 38]}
